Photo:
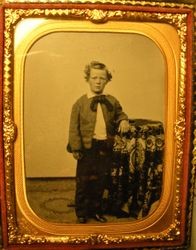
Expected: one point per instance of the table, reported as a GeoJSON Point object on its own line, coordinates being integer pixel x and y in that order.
{"type": "Point", "coordinates": [135, 179]}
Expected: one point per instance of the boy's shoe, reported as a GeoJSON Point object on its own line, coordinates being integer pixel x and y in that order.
{"type": "Point", "coordinates": [100, 218]}
{"type": "Point", "coordinates": [82, 220]}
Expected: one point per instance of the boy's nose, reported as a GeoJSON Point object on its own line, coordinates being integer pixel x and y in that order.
{"type": "Point", "coordinates": [98, 80]}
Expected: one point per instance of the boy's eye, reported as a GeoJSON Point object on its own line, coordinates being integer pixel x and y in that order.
{"type": "Point", "coordinates": [100, 78]}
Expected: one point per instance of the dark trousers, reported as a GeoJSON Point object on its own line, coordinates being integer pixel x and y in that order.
{"type": "Point", "coordinates": [91, 178]}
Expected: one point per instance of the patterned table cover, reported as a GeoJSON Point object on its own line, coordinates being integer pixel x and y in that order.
{"type": "Point", "coordinates": [135, 180]}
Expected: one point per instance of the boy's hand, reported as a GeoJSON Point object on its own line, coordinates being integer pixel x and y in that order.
{"type": "Point", "coordinates": [77, 155]}
{"type": "Point", "coordinates": [124, 126]}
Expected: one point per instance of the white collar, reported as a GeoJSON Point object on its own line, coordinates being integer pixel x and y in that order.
{"type": "Point", "coordinates": [90, 94]}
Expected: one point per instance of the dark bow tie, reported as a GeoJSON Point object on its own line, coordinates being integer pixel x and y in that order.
{"type": "Point", "coordinates": [102, 100]}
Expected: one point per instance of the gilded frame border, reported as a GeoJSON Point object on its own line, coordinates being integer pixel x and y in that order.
{"type": "Point", "coordinates": [180, 16]}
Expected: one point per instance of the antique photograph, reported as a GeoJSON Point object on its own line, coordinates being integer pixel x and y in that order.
{"type": "Point", "coordinates": [119, 144]}
{"type": "Point", "coordinates": [98, 141]}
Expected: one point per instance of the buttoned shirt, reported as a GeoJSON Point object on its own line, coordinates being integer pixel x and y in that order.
{"type": "Point", "coordinates": [100, 132]}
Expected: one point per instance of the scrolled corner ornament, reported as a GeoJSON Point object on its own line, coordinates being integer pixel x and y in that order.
{"type": "Point", "coordinates": [174, 232]}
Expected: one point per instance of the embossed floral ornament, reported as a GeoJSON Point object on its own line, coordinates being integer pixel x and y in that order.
{"type": "Point", "coordinates": [97, 15]}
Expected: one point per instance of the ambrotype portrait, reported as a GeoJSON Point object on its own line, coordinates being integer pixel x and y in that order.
{"type": "Point", "coordinates": [130, 135]}
{"type": "Point", "coordinates": [97, 124]}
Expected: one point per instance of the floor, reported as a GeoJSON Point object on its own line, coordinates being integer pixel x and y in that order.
{"type": "Point", "coordinates": [193, 234]}
{"type": "Point", "coordinates": [53, 200]}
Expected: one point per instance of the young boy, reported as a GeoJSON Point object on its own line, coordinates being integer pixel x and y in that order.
{"type": "Point", "coordinates": [95, 118]}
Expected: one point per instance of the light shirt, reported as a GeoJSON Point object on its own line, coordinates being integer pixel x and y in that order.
{"type": "Point", "coordinates": [100, 132]}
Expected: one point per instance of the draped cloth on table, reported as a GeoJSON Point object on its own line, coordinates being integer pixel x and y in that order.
{"type": "Point", "coordinates": [135, 179]}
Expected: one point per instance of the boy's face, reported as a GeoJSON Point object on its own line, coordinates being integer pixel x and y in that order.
{"type": "Point", "coordinates": [97, 80]}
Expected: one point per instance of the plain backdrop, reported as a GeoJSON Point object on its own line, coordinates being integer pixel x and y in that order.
{"type": "Point", "coordinates": [54, 80]}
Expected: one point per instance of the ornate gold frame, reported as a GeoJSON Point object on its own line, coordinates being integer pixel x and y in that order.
{"type": "Point", "coordinates": [168, 225]}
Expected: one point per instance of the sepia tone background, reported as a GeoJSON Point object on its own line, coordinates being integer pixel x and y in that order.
{"type": "Point", "coordinates": [54, 77]}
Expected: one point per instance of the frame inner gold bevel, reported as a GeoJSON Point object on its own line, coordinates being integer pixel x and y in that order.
{"type": "Point", "coordinates": [165, 36]}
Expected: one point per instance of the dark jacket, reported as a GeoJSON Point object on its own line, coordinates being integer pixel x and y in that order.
{"type": "Point", "coordinates": [83, 119]}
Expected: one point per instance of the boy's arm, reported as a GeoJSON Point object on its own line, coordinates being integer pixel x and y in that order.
{"type": "Point", "coordinates": [122, 119]}
{"type": "Point", "coordinates": [74, 132]}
